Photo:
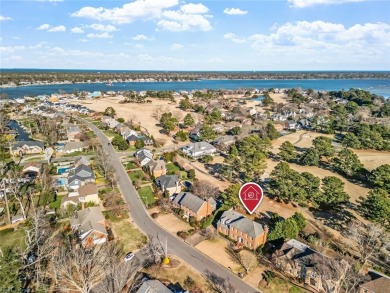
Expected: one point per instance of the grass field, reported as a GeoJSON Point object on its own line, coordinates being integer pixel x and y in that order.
{"type": "Point", "coordinates": [12, 238]}
{"type": "Point", "coordinates": [171, 167]}
{"type": "Point", "coordinates": [146, 194]}
{"type": "Point", "coordinates": [280, 285]}
{"type": "Point", "coordinates": [137, 174]}
{"type": "Point", "coordinates": [131, 165]}
{"type": "Point", "coordinates": [130, 238]}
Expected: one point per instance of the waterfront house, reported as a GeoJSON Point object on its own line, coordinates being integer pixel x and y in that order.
{"type": "Point", "coordinates": [85, 194]}
{"type": "Point", "coordinates": [316, 270]}
{"type": "Point", "coordinates": [194, 206]}
{"type": "Point", "coordinates": [33, 168]}
{"type": "Point", "coordinates": [244, 231]}
{"type": "Point", "coordinates": [80, 176]}
{"type": "Point", "coordinates": [199, 149]}
{"type": "Point", "coordinates": [143, 156]}
{"type": "Point", "coordinates": [168, 183]}
{"type": "Point", "coordinates": [21, 148]}
{"type": "Point", "coordinates": [90, 226]}
{"type": "Point", "coordinates": [72, 147]}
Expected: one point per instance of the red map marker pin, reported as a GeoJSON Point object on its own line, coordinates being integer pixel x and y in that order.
{"type": "Point", "coordinates": [251, 196]}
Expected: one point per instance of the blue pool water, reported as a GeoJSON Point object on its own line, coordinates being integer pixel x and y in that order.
{"type": "Point", "coordinates": [62, 170]}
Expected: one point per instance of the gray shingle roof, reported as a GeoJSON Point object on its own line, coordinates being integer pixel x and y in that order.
{"type": "Point", "coordinates": [88, 219]}
{"type": "Point", "coordinates": [73, 145]}
{"type": "Point", "coordinates": [189, 200]}
{"type": "Point", "coordinates": [233, 219]}
{"type": "Point", "coordinates": [153, 286]}
{"type": "Point", "coordinates": [29, 143]}
{"type": "Point", "coordinates": [167, 181]}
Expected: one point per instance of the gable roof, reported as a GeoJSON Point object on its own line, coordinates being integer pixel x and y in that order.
{"type": "Point", "coordinates": [153, 286]}
{"type": "Point", "coordinates": [74, 129]}
{"type": "Point", "coordinates": [199, 147]}
{"type": "Point", "coordinates": [73, 145]}
{"type": "Point", "coordinates": [378, 285]}
{"type": "Point", "coordinates": [132, 137]}
{"type": "Point", "coordinates": [29, 143]}
{"type": "Point", "coordinates": [84, 171]}
{"type": "Point", "coordinates": [88, 189]}
{"type": "Point", "coordinates": [82, 160]}
{"type": "Point", "coordinates": [167, 181]}
{"type": "Point", "coordinates": [189, 200]}
{"type": "Point", "coordinates": [156, 165]}
{"type": "Point", "coordinates": [233, 219]}
{"type": "Point", "coordinates": [88, 219]}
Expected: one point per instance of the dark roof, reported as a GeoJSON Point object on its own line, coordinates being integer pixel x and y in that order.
{"type": "Point", "coordinates": [153, 286]}
{"type": "Point", "coordinates": [132, 138]}
{"type": "Point", "coordinates": [189, 200]}
{"type": "Point", "coordinates": [167, 181]}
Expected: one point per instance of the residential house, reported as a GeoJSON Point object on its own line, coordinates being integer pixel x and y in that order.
{"type": "Point", "coordinates": [72, 147]}
{"type": "Point", "coordinates": [126, 132]}
{"type": "Point", "coordinates": [73, 133]}
{"type": "Point", "coordinates": [291, 125]}
{"type": "Point", "coordinates": [156, 168]}
{"type": "Point", "coordinates": [219, 128]}
{"type": "Point", "coordinates": [86, 193]}
{"type": "Point", "coordinates": [33, 168]}
{"type": "Point", "coordinates": [169, 183]}
{"type": "Point", "coordinates": [111, 123]}
{"type": "Point", "coordinates": [379, 283]}
{"type": "Point", "coordinates": [147, 140]}
{"type": "Point", "coordinates": [224, 142]}
{"type": "Point", "coordinates": [21, 148]}
{"type": "Point", "coordinates": [199, 149]}
{"type": "Point", "coordinates": [91, 226]}
{"type": "Point", "coordinates": [194, 206]}
{"type": "Point", "coordinates": [131, 140]}
{"type": "Point", "coordinates": [195, 133]}
{"type": "Point", "coordinates": [246, 232]}
{"type": "Point", "coordinates": [153, 286]}
{"type": "Point", "coordinates": [80, 176]}
{"type": "Point", "coordinates": [82, 160]}
{"type": "Point", "coordinates": [278, 117]}
{"type": "Point", "coordinates": [143, 156]}
{"type": "Point", "coordinates": [312, 268]}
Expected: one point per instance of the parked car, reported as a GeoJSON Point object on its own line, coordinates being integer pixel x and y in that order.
{"type": "Point", "coordinates": [128, 256]}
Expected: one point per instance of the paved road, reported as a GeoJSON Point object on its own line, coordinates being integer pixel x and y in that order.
{"type": "Point", "coordinates": [177, 247]}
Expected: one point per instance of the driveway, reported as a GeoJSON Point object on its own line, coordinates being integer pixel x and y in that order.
{"type": "Point", "coordinates": [177, 247]}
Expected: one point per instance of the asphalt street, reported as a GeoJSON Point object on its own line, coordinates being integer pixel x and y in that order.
{"type": "Point", "coordinates": [176, 246]}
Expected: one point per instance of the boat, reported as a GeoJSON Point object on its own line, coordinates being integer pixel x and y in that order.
{"type": "Point", "coordinates": [109, 84]}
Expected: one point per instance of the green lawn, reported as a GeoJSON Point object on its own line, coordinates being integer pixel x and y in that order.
{"type": "Point", "coordinates": [130, 238]}
{"type": "Point", "coordinates": [109, 132]}
{"type": "Point", "coordinates": [76, 154]}
{"type": "Point", "coordinates": [12, 238]}
{"type": "Point", "coordinates": [56, 204]}
{"type": "Point", "coordinates": [116, 216]}
{"type": "Point", "coordinates": [137, 174]}
{"type": "Point", "coordinates": [131, 165]}
{"type": "Point", "coordinates": [171, 167]}
{"type": "Point", "coordinates": [146, 194]}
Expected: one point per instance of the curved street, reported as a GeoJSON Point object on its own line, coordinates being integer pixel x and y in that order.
{"type": "Point", "coordinates": [177, 247]}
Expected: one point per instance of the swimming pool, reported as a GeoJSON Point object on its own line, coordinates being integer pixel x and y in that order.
{"type": "Point", "coordinates": [63, 170]}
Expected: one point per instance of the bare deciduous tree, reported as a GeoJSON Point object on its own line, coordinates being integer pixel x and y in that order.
{"type": "Point", "coordinates": [103, 162]}
{"type": "Point", "coordinates": [219, 284]}
{"type": "Point", "coordinates": [16, 188]}
{"type": "Point", "coordinates": [245, 261]}
{"type": "Point", "coordinates": [204, 189]}
{"type": "Point", "coordinates": [153, 251]}
{"type": "Point", "coordinates": [370, 239]}
{"type": "Point", "coordinates": [158, 111]}
{"type": "Point", "coordinates": [117, 274]}
{"type": "Point", "coordinates": [80, 269]}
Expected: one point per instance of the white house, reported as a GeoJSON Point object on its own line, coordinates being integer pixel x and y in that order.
{"type": "Point", "coordinates": [199, 149]}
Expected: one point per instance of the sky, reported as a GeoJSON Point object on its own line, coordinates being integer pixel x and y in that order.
{"type": "Point", "coordinates": [195, 35]}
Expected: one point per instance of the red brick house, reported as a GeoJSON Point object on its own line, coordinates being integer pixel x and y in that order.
{"type": "Point", "coordinates": [242, 230]}
{"type": "Point", "coordinates": [194, 206]}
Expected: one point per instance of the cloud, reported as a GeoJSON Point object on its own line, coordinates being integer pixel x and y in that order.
{"type": "Point", "coordinates": [103, 28]}
{"type": "Point", "coordinates": [234, 38]}
{"type": "Point", "coordinates": [179, 21]}
{"type": "Point", "coordinates": [234, 11]}
{"type": "Point", "coordinates": [37, 46]}
{"type": "Point", "coordinates": [129, 12]}
{"type": "Point", "coordinates": [83, 40]}
{"type": "Point", "coordinates": [142, 37]}
{"type": "Point", "coordinates": [104, 35]}
{"type": "Point", "coordinates": [43, 27]}
{"type": "Point", "coordinates": [139, 46]}
{"type": "Point", "coordinates": [215, 60]}
{"type": "Point", "coordinates": [59, 28]}
{"type": "Point", "coordinates": [12, 49]}
{"type": "Point", "coordinates": [191, 8]}
{"type": "Point", "coordinates": [49, 0]}
{"type": "Point", "coordinates": [176, 46]}
{"type": "Point", "coordinates": [145, 57]}
{"type": "Point", "coordinates": [77, 30]}
{"type": "Point", "coordinates": [4, 18]}
{"type": "Point", "coordinates": [307, 3]}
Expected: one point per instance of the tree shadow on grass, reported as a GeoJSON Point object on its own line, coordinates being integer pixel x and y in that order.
{"type": "Point", "coordinates": [337, 218]}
